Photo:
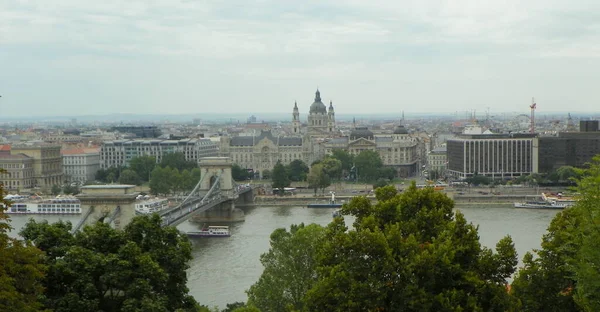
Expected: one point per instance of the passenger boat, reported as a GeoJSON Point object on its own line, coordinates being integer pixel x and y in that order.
{"type": "Point", "coordinates": [559, 199]}
{"type": "Point", "coordinates": [211, 231]}
{"type": "Point", "coordinates": [539, 205]}
{"type": "Point", "coordinates": [54, 206]}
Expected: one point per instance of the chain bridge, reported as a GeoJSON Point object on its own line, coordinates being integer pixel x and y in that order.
{"type": "Point", "coordinates": [213, 199]}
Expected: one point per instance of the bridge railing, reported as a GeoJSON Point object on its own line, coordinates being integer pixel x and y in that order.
{"type": "Point", "coordinates": [212, 195]}
{"type": "Point", "coordinates": [82, 220]}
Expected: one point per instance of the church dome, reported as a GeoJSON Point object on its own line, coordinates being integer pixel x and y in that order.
{"type": "Point", "coordinates": [400, 130]}
{"type": "Point", "coordinates": [317, 106]}
{"type": "Point", "coordinates": [361, 132]}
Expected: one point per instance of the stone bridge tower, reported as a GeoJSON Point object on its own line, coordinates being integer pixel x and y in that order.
{"type": "Point", "coordinates": [101, 202]}
{"type": "Point", "coordinates": [211, 168]}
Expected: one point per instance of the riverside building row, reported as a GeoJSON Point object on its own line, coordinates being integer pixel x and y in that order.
{"type": "Point", "coordinates": [31, 166]}
{"type": "Point", "coordinates": [120, 152]}
{"type": "Point", "coordinates": [510, 155]}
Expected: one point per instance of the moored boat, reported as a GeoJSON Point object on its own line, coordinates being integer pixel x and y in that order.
{"type": "Point", "coordinates": [37, 205]}
{"type": "Point", "coordinates": [538, 205]}
{"type": "Point", "coordinates": [211, 231]}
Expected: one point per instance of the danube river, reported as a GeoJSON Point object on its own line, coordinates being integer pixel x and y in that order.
{"type": "Point", "coordinates": [223, 268]}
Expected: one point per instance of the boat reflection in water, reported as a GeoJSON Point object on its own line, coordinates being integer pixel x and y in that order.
{"type": "Point", "coordinates": [211, 231]}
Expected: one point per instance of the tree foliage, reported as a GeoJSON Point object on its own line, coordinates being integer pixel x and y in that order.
{"type": "Point", "coordinates": [409, 252]}
{"type": "Point", "coordinates": [344, 157]}
{"type": "Point", "coordinates": [317, 178]}
{"type": "Point", "coordinates": [565, 275]}
{"type": "Point", "coordinates": [21, 268]}
{"type": "Point", "coordinates": [143, 166]}
{"type": "Point", "coordinates": [239, 174]}
{"type": "Point", "coordinates": [332, 167]}
{"type": "Point", "coordinates": [141, 268]}
{"type": "Point", "coordinates": [177, 161]}
{"type": "Point", "coordinates": [109, 175]}
{"type": "Point", "coordinates": [290, 269]}
{"type": "Point", "coordinates": [280, 178]}
{"type": "Point", "coordinates": [297, 170]}
{"type": "Point", "coordinates": [368, 165]}
{"type": "Point", "coordinates": [129, 176]}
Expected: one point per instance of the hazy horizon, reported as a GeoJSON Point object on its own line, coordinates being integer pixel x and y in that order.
{"type": "Point", "coordinates": [67, 57]}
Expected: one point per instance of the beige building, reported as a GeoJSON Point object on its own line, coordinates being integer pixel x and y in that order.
{"type": "Point", "coordinates": [262, 152]}
{"type": "Point", "coordinates": [398, 150]}
{"type": "Point", "coordinates": [437, 160]}
{"type": "Point", "coordinates": [19, 171]}
{"type": "Point", "coordinates": [81, 164]}
{"type": "Point", "coordinates": [47, 163]}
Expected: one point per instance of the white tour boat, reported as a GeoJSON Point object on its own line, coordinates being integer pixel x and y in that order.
{"type": "Point", "coordinates": [211, 231]}
{"type": "Point", "coordinates": [38, 205]}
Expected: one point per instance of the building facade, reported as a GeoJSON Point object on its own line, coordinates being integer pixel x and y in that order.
{"type": "Point", "coordinates": [398, 150]}
{"type": "Point", "coordinates": [321, 120]}
{"type": "Point", "coordinates": [19, 171]}
{"type": "Point", "coordinates": [81, 164]}
{"type": "Point", "coordinates": [493, 155]}
{"type": "Point", "coordinates": [47, 163]}
{"type": "Point", "coordinates": [437, 161]}
{"type": "Point", "coordinates": [570, 148]}
{"type": "Point", "coordinates": [261, 152]}
{"type": "Point", "coordinates": [120, 152]}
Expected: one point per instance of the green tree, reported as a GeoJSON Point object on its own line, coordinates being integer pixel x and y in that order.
{"type": "Point", "coordinates": [55, 190]}
{"type": "Point", "coordinates": [344, 157]}
{"type": "Point", "coordinates": [129, 176]}
{"type": "Point", "coordinates": [297, 170]}
{"type": "Point", "coordinates": [266, 174]}
{"type": "Point", "coordinates": [142, 268]}
{"type": "Point", "coordinates": [160, 181]}
{"type": "Point", "coordinates": [368, 164]}
{"type": "Point", "coordinates": [332, 168]}
{"type": "Point", "coordinates": [143, 166]}
{"type": "Point", "coordinates": [280, 177]}
{"type": "Point", "coordinates": [290, 269]}
{"type": "Point", "coordinates": [409, 252]}
{"type": "Point", "coordinates": [69, 189]}
{"type": "Point", "coordinates": [177, 161]}
{"type": "Point", "coordinates": [238, 173]}
{"type": "Point", "coordinates": [565, 275]}
{"type": "Point", "coordinates": [21, 270]}
{"type": "Point", "coordinates": [566, 173]}
{"type": "Point", "coordinates": [317, 178]}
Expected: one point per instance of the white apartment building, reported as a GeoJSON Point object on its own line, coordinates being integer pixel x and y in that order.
{"type": "Point", "coordinates": [81, 164]}
{"type": "Point", "coordinates": [120, 152]}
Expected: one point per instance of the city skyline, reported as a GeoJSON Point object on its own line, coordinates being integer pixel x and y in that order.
{"type": "Point", "coordinates": [75, 58]}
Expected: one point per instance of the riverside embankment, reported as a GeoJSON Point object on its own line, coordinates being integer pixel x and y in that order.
{"type": "Point", "coordinates": [473, 196]}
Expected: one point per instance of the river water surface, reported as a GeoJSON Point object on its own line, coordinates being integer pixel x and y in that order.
{"type": "Point", "coordinates": [223, 268]}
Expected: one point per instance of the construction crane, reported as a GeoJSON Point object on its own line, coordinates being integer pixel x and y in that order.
{"type": "Point", "coordinates": [532, 106]}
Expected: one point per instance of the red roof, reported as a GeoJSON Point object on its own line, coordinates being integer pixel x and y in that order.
{"type": "Point", "coordinates": [5, 147]}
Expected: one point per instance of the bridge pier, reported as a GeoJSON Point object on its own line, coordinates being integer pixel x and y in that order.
{"type": "Point", "coordinates": [223, 213]}
{"type": "Point", "coordinates": [102, 202]}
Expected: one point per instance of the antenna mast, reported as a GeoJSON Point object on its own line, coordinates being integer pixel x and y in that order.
{"type": "Point", "coordinates": [532, 107]}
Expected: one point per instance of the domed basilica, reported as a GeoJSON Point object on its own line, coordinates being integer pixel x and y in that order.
{"type": "Point", "coordinates": [321, 120]}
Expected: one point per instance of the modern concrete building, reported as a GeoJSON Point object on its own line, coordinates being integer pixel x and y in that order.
{"type": "Point", "coordinates": [47, 163]}
{"type": "Point", "coordinates": [120, 152]}
{"type": "Point", "coordinates": [81, 164]}
{"type": "Point", "coordinates": [570, 148]}
{"type": "Point", "coordinates": [493, 155]}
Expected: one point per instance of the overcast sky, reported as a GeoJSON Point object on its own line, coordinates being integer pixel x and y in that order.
{"type": "Point", "coordinates": [79, 57]}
